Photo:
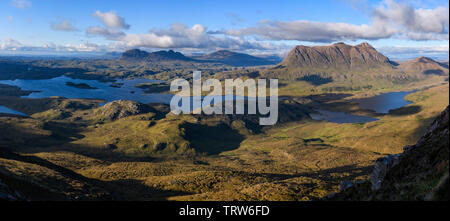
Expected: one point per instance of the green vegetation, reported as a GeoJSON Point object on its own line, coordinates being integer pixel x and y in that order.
{"type": "Point", "coordinates": [152, 155]}
{"type": "Point", "coordinates": [154, 87]}
{"type": "Point", "coordinates": [78, 149]}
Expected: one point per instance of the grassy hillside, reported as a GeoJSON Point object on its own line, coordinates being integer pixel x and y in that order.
{"type": "Point", "coordinates": [155, 156]}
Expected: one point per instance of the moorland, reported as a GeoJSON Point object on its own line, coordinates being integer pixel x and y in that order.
{"type": "Point", "coordinates": [67, 148]}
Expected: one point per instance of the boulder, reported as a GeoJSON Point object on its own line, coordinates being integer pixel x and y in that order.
{"type": "Point", "coordinates": [382, 167]}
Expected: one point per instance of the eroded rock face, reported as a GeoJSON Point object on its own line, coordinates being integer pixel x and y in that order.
{"type": "Point", "coordinates": [382, 166]}
{"type": "Point", "coordinates": [122, 108]}
{"type": "Point", "coordinates": [338, 55]}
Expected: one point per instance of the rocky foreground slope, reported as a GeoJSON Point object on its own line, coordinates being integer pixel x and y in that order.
{"type": "Point", "coordinates": [419, 173]}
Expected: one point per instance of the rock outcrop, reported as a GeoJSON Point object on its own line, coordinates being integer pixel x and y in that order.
{"type": "Point", "coordinates": [122, 108]}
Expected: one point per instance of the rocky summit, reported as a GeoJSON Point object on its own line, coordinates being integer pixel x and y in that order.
{"type": "Point", "coordinates": [339, 55]}
{"type": "Point", "coordinates": [122, 108]}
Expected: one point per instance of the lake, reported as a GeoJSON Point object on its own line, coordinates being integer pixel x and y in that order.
{"type": "Point", "coordinates": [5, 110]}
{"type": "Point", "coordinates": [128, 91]}
{"type": "Point", "coordinates": [58, 87]}
{"type": "Point", "coordinates": [382, 104]}
{"type": "Point", "coordinates": [108, 91]}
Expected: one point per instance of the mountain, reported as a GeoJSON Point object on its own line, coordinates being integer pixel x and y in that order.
{"type": "Point", "coordinates": [158, 56]}
{"type": "Point", "coordinates": [235, 59]}
{"type": "Point", "coordinates": [419, 173]}
{"type": "Point", "coordinates": [425, 65]}
{"type": "Point", "coordinates": [336, 56]}
{"type": "Point", "coordinates": [112, 55]}
{"type": "Point", "coordinates": [223, 56]}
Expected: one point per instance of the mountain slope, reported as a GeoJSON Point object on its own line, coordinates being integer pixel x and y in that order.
{"type": "Point", "coordinates": [32, 178]}
{"type": "Point", "coordinates": [338, 56]}
{"type": "Point", "coordinates": [424, 65]}
{"type": "Point", "coordinates": [419, 173]}
{"type": "Point", "coordinates": [235, 59]}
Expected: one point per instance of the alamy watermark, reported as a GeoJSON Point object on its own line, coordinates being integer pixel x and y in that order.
{"type": "Point", "coordinates": [189, 101]}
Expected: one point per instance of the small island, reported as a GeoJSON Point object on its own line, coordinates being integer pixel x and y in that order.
{"type": "Point", "coordinates": [116, 85]}
{"type": "Point", "coordinates": [80, 85]}
{"type": "Point", "coordinates": [149, 88]}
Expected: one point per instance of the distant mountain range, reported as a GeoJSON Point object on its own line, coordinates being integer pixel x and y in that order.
{"type": "Point", "coordinates": [159, 56]}
{"type": "Point", "coordinates": [222, 56]}
{"type": "Point", "coordinates": [338, 57]}
{"type": "Point", "coordinates": [235, 59]}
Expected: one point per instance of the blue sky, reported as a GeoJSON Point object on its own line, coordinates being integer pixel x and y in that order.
{"type": "Point", "coordinates": [398, 28]}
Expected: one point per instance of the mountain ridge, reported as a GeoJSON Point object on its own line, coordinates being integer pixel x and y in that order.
{"type": "Point", "coordinates": [425, 65]}
{"type": "Point", "coordinates": [158, 56]}
{"type": "Point", "coordinates": [235, 58]}
{"type": "Point", "coordinates": [339, 55]}
{"type": "Point", "coordinates": [222, 56]}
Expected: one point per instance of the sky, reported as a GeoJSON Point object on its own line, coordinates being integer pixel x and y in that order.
{"type": "Point", "coordinates": [399, 29]}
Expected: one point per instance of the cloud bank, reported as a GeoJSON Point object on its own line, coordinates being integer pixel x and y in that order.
{"type": "Point", "coordinates": [389, 20]}
{"type": "Point", "coordinates": [181, 36]}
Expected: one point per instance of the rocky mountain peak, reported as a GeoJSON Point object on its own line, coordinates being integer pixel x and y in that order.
{"type": "Point", "coordinates": [337, 56]}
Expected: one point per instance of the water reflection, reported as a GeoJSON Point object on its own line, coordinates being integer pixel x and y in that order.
{"type": "Point", "coordinates": [384, 102]}
{"type": "Point", "coordinates": [105, 90]}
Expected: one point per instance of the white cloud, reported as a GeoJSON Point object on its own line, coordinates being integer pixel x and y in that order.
{"type": "Point", "coordinates": [9, 45]}
{"type": "Point", "coordinates": [415, 24]}
{"type": "Point", "coordinates": [10, 18]}
{"type": "Point", "coordinates": [415, 20]}
{"type": "Point", "coordinates": [390, 19]}
{"type": "Point", "coordinates": [314, 31]}
{"type": "Point", "coordinates": [111, 34]}
{"type": "Point", "coordinates": [111, 20]}
{"type": "Point", "coordinates": [63, 25]}
{"type": "Point", "coordinates": [181, 36]}
{"type": "Point", "coordinates": [178, 36]}
{"type": "Point", "coordinates": [113, 24]}
{"type": "Point", "coordinates": [21, 3]}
